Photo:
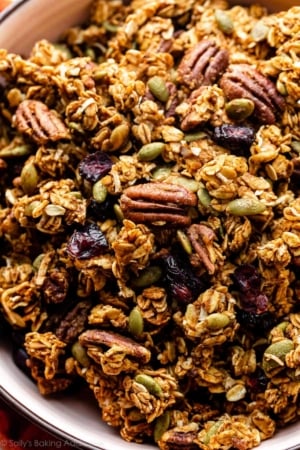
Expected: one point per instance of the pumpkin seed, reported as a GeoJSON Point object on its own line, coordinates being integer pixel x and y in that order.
{"type": "Point", "coordinates": [189, 183]}
{"type": "Point", "coordinates": [15, 152]}
{"type": "Point", "coordinates": [158, 88]}
{"type": "Point", "coordinates": [135, 322]}
{"type": "Point", "coordinates": [204, 197]}
{"type": "Point", "coordinates": [259, 32]}
{"type": "Point", "coordinates": [161, 173]}
{"type": "Point", "coordinates": [224, 21]}
{"type": "Point", "coordinates": [37, 261]}
{"type": "Point", "coordinates": [99, 192]}
{"type": "Point", "coordinates": [190, 137]}
{"type": "Point", "coordinates": [28, 210]}
{"type": "Point", "coordinates": [274, 355]}
{"type": "Point", "coordinates": [239, 108]}
{"type": "Point", "coordinates": [29, 178]}
{"type": "Point", "coordinates": [110, 27]}
{"type": "Point", "coordinates": [80, 354]}
{"type": "Point", "coordinates": [151, 151]}
{"type": "Point", "coordinates": [212, 431]}
{"type": "Point", "coordinates": [216, 321]}
{"type": "Point", "coordinates": [149, 383]}
{"type": "Point", "coordinates": [147, 277]}
{"type": "Point", "coordinates": [296, 146]}
{"type": "Point", "coordinates": [119, 136]}
{"type": "Point", "coordinates": [245, 207]}
{"type": "Point", "coordinates": [54, 210]}
{"type": "Point", "coordinates": [184, 242]}
{"type": "Point", "coordinates": [162, 423]}
{"type": "Point", "coordinates": [118, 212]}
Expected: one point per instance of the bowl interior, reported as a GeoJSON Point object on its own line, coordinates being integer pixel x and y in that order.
{"type": "Point", "coordinates": [74, 418]}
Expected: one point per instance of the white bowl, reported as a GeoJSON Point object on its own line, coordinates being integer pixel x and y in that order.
{"type": "Point", "coordinates": [76, 419]}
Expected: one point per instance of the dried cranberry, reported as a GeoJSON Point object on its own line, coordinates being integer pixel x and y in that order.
{"type": "Point", "coordinates": [180, 281]}
{"type": "Point", "coordinates": [257, 381]}
{"type": "Point", "coordinates": [236, 138]}
{"type": "Point", "coordinates": [87, 242]}
{"type": "Point", "coordinates": [95, 166]}
{"type": "Point", "coordinates": [259, 323]}
{"type": "Point", "coordinates": [247, 280]}
{"type": "Point", "coordinates": [102, 211]}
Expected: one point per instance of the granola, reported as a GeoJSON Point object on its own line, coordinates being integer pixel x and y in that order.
{"type": "Point", "coordinates": [149, 218]}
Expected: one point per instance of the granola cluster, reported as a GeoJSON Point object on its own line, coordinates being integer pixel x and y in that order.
{"type": "Point", "coordinates": [149, 218]}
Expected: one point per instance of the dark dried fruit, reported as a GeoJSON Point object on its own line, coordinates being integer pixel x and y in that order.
{"type": "Point", "coordinates": [248, 281]}
{"type": "Point", "coordinates": [247, 278]}
{"type": "Point", "coordinates": [257, 381]}
{"type": "Point", "coordinates": [95, 166]}
{"type": "Point", "coordinates": [259, 323]}
{"type": "Point", "coordinates": [182, 284]}
{"type": "Point", "coordinates": [236, 138]}
{"type": "Point", "coordinates": [87, 242]}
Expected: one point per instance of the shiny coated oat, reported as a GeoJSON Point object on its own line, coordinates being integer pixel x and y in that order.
{"type": "Point", "coordinates": [149, 218]}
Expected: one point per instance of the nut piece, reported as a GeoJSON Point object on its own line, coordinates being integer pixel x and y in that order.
{"type": "Point", "coordinates": [202, 64]}
{"type": "Point", "coordinates": [244, 81]}
{"type": "Point", "coordinates": [157, 202]}
{"type": "Point", "coordinates": [109, 339]}
{"type": "Point", "coordinates": [36, 120]}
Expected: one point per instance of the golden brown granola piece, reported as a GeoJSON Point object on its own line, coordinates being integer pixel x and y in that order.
{"type": "Point", "coordinates": [37, 121]}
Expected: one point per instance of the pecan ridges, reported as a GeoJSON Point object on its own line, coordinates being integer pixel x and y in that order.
{"type": "Point", "coordinates": [157, 202]}
{"type": "Point", "coordinates": [244, 81]}
{"type": "Point", "coordinates": [202, 64]}
{"type": "Point", "coordinates": [36, 120]}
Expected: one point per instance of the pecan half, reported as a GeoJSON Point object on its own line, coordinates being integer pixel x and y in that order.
{"type": "Point", "coordinates": [202, 64]}
{"type": "Point", "coordinates": [244, 81]}
{"type": "Point", "coordinates": [35, 119]}
{"type": "Point", "coordinates": [110, 339]}
{"type": "Point", "coordinates": [157, 202]}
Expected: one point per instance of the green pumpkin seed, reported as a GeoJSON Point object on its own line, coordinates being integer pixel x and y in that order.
{"type": "Point", "coordinates": [190, 137]}
{"type": "Point", "coordinates": [29, 178]}
{"type": "Point", "coordinates": [161, 173]}
{"type": "Point", "coordinates": [239, 108]}
{"type": "Point", "coordinates": [162, 424]}
{"type": "Point", "coordinates": [274, 355]}
{"type": "Point", "coordinates": [296, 146]}
{"type": "Point", "coordinates": [135, 322]}
{"type": "Point", "coordinates": [150, 384]}
{"type": "Point", "coordinates": [148, 276]}
{"type": "Point", "coordinates": [99, 192]}
{"type": "Point", "coordinates": [212, 431]}
{"type": "Point", "coordinates": [54, 210]}
{"type": "Point", "coordinates": [224, 21]}
{"type": "Point", "coordinates": [216, 321]}
{"type": "Point", "coordinates": [151, 151]}
{"type": "Point", "coordinates": [80, 354]}
{"type": "Point", "coordinates": [245, 207]}
{"type": "Point", "coordinates": [15, 152]}
{"type": "Point", "coordinates": [259, 32]}
{"type": "Point", "coordinates": [37, 261]}
{"type": "Point", "coordinates": [204, 197]}
{"type": "Point", "coordinates": [189, 183]}
{"type": "Point", "coordinates": [184, 241]}
{"type": "Point", "coordinates": [28, 210]}
{"type": "Point", "coordinates": [158, 88]}
{"type": "Point", "coordinates": [110, 27]}
{"type": "Point", "coordinates": [118, 212]}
